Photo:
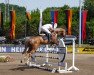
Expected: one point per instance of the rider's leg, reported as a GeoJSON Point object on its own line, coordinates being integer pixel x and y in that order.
{"type": "Point", "coordinates": [49, 37]}
{"type": "Point", "coordinates": [47, 32]}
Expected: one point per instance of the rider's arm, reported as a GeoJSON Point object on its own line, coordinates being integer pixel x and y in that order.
{"type": "Point", "coordinates": [51, 29]}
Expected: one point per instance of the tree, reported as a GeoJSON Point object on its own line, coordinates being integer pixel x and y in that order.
{"type": "Point", "coordinates": [89, 5]}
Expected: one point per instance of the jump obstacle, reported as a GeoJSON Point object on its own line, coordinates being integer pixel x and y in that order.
{"type": "Point", "coordinates": [60, 49]}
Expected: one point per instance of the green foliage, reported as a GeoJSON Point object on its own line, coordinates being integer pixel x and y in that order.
{"type": "Point", "coordinates": [89, 5]}
{"type": "Point", "coordinates": [34, 23]}
{"type": "Point", "coordinates": [20, 18]}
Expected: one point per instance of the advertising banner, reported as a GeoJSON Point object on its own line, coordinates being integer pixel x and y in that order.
{"type": "Point", "coordinates": [9, 49]}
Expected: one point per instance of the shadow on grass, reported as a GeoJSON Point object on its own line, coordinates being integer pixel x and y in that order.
{"type": "Point", "coordinates": [22, 68]}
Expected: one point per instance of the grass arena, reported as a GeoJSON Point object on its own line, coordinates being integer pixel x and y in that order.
{"type": "Point", "coordinates": [84, 62]}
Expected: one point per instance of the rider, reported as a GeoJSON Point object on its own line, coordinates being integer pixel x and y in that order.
{"type": "Point", "coordinates": [46, 29]}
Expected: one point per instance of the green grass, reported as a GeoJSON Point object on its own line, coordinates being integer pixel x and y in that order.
{"type": "Point", "coordinates": [3, 60]}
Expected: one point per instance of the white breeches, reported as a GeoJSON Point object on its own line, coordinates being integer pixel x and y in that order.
{"type": "Point", "coordinates": [45, 30]}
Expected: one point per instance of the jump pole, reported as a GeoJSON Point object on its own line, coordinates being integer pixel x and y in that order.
{"type": "Point", "coordinates": [47, 57]}
{"type": "Point", "coordinates": [73, 56]}
{"type": "Point", "coordinates": [47, 54]}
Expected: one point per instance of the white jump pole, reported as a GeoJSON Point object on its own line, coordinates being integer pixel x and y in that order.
{"type": "Point", "coordinates": [73, 58]}
{"type": "Point", "coordinates": [47, 54]}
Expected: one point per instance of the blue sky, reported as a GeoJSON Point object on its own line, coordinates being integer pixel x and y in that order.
{"type": "Point", "coordinates": [42, 4]}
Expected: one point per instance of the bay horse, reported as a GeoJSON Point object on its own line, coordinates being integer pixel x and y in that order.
{"type": "Point", "coordinates": [33, 43]}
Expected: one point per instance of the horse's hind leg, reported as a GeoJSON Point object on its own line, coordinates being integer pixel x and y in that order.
{"type": "Point", "coordinates": [30, 52]}
{"type": "Point", "coordinates": [25, 52]}
{"type": "Point", "coordinates": [32, 49]}
{"type": "Point", "coordinates": [26, 49]}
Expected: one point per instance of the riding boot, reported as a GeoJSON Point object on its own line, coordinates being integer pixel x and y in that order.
{"type": "Point", "coordinates": [49, 36]}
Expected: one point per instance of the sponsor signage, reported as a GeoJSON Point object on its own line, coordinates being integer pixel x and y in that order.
{"type": "Point", "coordinates": [9, 49]}
{"type": "Point", "coordinates": [20, 48]}
{"type": "Point", "coordinates": [88, 49]}
{"type": "Point", "coordinates": [83, 50]}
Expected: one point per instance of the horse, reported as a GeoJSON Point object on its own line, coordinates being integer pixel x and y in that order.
{"type": "Point", "coordinates": [33, 43]}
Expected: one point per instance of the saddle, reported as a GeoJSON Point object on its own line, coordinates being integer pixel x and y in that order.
{"type": "Point", "coordinates": [50, 37]}
{"type": "Point", "coordinates": [49, 40]}
{"type": "Point", "coordinates": [45, 37]}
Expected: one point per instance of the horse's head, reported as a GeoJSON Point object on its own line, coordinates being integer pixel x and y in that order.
{"type": "Point", "coordinates": [60, 32]}
{"type": "Point", "coordinates": [54, 37]}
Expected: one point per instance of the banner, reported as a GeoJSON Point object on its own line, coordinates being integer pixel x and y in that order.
{"type": "Point", "coordinates": [81, 50]}
{"type": "Point", "coordinates": [83, 24]}
{"type": "Point", "coordinates": [1, 24]}
{"type": "Point", "coordinates": [28, 16]}
{"type": "Point", "coordinates": [54, 17]}
{"type": "Point", "coordinates": [0, 19]}
{"type": "Point", "coordinates": [12, 24]}
{"type": "Point", "coordinates": [27, 28]}
{"type": "Point", "coordinates": [9, 49]}
{"type": "Point", "coordinates": [69, 21]}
